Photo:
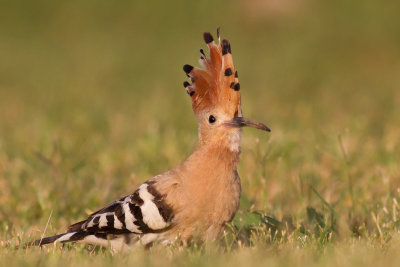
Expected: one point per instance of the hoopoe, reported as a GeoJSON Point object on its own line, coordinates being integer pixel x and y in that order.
{"type": "Point", "coordinates": [195, 200]}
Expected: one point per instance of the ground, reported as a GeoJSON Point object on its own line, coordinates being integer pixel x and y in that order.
{"type": "Point", "coordinates": [92, 104]}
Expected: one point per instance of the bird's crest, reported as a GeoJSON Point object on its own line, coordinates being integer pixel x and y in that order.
{"type": "Point", "coordinates": [216, 84]}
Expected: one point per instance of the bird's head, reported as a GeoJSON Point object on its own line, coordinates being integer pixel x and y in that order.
{"type": "Point", "coordinates": [215, 94]}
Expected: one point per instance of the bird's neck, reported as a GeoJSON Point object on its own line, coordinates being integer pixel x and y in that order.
{"type": "Point", "coordinates": [216, 156]}
{"type": "Point", "coordinates": [220, 141]}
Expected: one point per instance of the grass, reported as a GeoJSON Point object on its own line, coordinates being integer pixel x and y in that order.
{"type": "Point", "coordinates": [91, 105]}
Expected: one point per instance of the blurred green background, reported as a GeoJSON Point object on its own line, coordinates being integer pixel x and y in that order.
{"type": "Point", "coordinates": [92, 104]}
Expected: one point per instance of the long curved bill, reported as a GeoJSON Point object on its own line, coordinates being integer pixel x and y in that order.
{"type": "Point", "coordinates": [239, 122]}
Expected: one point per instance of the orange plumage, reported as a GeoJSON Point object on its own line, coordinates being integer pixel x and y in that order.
{"type": "Point", "coordinates": [215, 85]}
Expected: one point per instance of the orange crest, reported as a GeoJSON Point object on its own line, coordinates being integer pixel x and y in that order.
{"type": "Point", "coordinates": [216, 84]}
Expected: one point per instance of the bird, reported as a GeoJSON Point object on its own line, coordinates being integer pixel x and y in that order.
{"type": "Point", "coordinates": [197, 199]}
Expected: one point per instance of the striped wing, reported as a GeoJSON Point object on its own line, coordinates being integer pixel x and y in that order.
{"type": "Point", "coordinates": [142, 212]}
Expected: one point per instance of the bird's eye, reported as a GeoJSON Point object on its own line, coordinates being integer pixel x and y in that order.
{"type": "Point", "coordinates": [211, 119]}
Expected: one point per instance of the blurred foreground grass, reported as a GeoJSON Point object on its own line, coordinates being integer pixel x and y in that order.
{"type": "Point", "coordinates": [91, 105]}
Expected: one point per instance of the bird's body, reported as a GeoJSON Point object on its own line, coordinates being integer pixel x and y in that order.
{"type": "Point", "coordinates": [195, 200]}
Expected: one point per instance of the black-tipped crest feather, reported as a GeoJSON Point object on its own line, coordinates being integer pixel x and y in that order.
{"type": "Point", "coordinates": [226, 47]}
{"type": "Point", "coordinates": [187, 68]}
{"type": "Point", "coordinates": [208, 38]}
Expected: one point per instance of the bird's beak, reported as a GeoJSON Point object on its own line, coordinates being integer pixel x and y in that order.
{"type": "Point", "coordinates": [239, 122]}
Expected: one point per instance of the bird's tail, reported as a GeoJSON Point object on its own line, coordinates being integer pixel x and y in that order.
{"type": "Point", "coordinates": [62, 238]}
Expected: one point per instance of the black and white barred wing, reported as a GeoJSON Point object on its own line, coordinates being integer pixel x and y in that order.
{"type": "Point", "coordinates": [143, 212]}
